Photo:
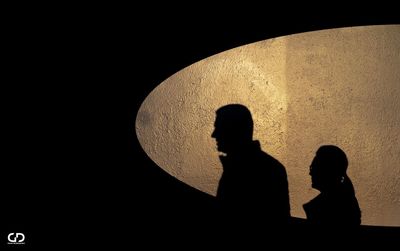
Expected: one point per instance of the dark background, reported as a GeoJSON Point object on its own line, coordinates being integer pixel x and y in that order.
{"type": "Point", "coordinates": [73, 171]}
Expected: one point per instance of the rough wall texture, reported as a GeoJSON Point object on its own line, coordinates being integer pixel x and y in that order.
{"type": "Point", "coordinates": [338, 86]}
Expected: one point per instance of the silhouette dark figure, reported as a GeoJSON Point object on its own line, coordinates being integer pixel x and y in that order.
{"type": "Point", "coordinates": [253, 187]}
{"type": "Point", "coordinates": [336, 205]}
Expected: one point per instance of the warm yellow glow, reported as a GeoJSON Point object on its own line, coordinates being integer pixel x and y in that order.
{"type": "Point", "coordinates": [338, 86]}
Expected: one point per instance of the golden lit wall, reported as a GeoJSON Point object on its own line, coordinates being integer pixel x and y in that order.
{"type": "Point", "coordinates": [337, 86]}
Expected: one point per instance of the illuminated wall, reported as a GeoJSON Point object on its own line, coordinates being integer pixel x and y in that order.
{"type": "Point", "coordinates": [337, 86]}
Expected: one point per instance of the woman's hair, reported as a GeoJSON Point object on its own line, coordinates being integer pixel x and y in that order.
{"type": "Point", "coordinates": [334, 160]}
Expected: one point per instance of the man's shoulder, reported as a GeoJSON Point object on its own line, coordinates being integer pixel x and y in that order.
{"type": "Point", "coordinates": [274, 164]}
{"type": "Point", "coordinates": [269, 158]}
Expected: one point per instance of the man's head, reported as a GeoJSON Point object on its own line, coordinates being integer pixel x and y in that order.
{"type": "Point", "coordinates": [233, 127]}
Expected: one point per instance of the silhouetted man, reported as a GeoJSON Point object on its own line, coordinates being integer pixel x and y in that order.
{"type": "Point", "coordinates": [336, 205]}
{"type": "Point", "coordinates": [253, 187]}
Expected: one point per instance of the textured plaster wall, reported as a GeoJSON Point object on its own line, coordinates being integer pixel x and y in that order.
{"type": "Point", "coordinates": [338, 86]}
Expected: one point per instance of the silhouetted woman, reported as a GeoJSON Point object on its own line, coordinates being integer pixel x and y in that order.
{"type": "Point", "coordinates": [336, 205]}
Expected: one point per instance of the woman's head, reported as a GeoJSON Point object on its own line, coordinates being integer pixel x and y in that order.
{"type": "Point", "coordinates": [328, 167]}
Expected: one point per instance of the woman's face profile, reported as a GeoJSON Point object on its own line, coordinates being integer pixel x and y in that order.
{"type": "Point", "coordinates": [318, 172]}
